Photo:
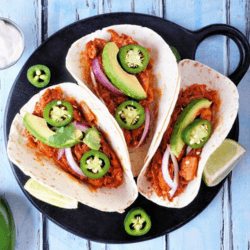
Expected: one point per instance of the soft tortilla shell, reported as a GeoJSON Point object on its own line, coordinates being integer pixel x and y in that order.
{"type": "Point", "coordinates": [47, 173]}
{"type": "Point", "coordinates": [165, 82]}
{"type": "Point", "coordinates": [193, 72]}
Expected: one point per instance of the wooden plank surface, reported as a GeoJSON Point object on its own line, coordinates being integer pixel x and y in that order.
{"type": "Point", "coordinates": [225, 224]}
{"type": "Point", "coordinates": [27, 218]}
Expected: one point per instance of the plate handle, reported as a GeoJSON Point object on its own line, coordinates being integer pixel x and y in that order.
{"type": "Point", "coordinates": [237, 37]}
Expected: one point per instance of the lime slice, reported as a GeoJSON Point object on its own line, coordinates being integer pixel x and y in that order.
{"type": "Point", "coordinates": [222, 161]}
{"type": "Point", "coordinates": [47, 195]}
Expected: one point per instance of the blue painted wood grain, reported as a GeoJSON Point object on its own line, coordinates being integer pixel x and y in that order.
{"type": "Point", "coordinates": [27, 218]}
{"type": "Point", "coordinates": [240, 185]}
{"type": "Point", "coordinates": [225, 223]}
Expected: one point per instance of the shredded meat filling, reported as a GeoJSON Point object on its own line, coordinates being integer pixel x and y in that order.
{"type": "Point", "coordinates": [112, 101]}
{"type": "Point", "coordinates": [187, 164]}
{"type": "Point", "coordinates": [81, 114]}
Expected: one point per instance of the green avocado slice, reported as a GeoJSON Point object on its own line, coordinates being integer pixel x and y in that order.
{"type": "Point", "coordinates": [126, 82]}
{"type": "Point", "coordinates": [186, 117]}
{"type": "Point", "coordinates": [37, 126]}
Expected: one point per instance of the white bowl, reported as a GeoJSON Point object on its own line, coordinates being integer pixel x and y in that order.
{"type": "Point", "coordinates": [13, 24]}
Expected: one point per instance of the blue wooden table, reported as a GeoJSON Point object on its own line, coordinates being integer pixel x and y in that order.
{"type": "Point", "coordinates": [225, 223]}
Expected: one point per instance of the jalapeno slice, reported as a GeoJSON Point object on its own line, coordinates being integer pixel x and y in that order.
{"type": "Point", "coordinates": [58, 113]}
{"type": "Point", "coordinates": [39, 75]}
{"type": "Point", "coordinates": [133, 58]}
{"type": "Point", "coordinates": [176, 53]}
{"type": "Point", "coordinates": [94, 164]}
{"type": "Point", "coordinates": [130, 115]}
{"type": "Point", "coordinates": [137, 222]}
{"type": "Point", "coordinates": [197, 133]}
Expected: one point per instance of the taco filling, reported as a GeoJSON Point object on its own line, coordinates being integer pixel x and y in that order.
{"type": "Point", "coordinates": [176, 160]}
{"type": "Point", "coordinates": [120, 70]}
{"type": "Point", "coordinates": [75, 144]}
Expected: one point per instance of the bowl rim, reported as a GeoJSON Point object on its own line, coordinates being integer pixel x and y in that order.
{"type": "Point", "coordinates": [13, 24]}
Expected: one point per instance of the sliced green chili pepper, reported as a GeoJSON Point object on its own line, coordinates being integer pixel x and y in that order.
{"type": "Point", "coordinates": [7, 226]}
{"type": "Point", "coordinates": [176, 53]}
{"type": "Point", "coordinates": [130, 115]}
{"type": "Point", "coordinates": [137, 222]}
{"type": "Point", "coordinates": [133, 58]}
{"type": "Point", "coordinates": [58, 113]}
{"type": "Point", "coordinates": [197, 133]}
{"type": "Point", "coordinates": [94, 164]}
{"type": "Point", "coordinates": [39, 75]}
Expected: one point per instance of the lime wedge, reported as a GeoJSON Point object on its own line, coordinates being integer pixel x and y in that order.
{"type": "Point", "coordinates": [47, 195]}
{"type": "Point", "coordinates": [222, 161]}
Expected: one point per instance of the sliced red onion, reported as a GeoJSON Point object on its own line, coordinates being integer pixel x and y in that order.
{"type": "Point", "coordinates": [164, 169]}
{"type": "Point", "coordinates": [95, 84]}
{"type": "Point", "coordinates": [61, 151]}
{"type": "Point", "coordinates": [188, 150]}
{"type": "Point", "coordinates": [80, 126]}
{"type": "Point", "coordinates": [146, 127]}
{"type": "Point", "coordinates": [72, 162]}
{"type": "Point", "coordinates": [176, 173]}
{"type": "Point", "coordinates": [103, 79]}
{"type": "Point", "coordinates": [173, 184]}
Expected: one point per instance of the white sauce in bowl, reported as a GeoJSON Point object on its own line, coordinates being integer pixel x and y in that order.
{"type": "Point", "coordinates": [11, 44]}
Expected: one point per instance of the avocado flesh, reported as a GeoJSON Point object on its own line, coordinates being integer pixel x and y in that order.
{"type": "Point", "coordinates": [186, 117]}
{"type": "Point", "coordinates": [37, 126]}
{"type": "Point", "coordinates": [126, 82]}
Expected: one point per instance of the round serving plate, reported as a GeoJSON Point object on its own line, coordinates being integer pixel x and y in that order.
{"type": "Point", "coordinates": [85, 221]}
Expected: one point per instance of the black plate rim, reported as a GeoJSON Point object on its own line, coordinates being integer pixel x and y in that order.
{"type": "Point", "coordinates": [31, 199]}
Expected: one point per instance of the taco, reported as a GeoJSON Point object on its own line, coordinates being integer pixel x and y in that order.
{"type": "Point", "coordinates": [204, 113]}
{"type": "Point", "coordinates": [83, 158]}
{"type": "Point", "coordinates": [135, 74]}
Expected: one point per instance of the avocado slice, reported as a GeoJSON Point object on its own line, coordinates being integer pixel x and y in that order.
{"type": "Point", "coordinates": [126, 82]}
{"type": "Point", "coordinates": [7, 227]}
{"type": "Point", "coordinates": [92, 138]}
{"type": "Point", "coordinates": [38, 127]}
{"type": "Point", "coordinates": [186, 117]}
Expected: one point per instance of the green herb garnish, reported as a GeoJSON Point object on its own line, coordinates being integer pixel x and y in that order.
{"type": "Point", "coordinates": [63, 134]}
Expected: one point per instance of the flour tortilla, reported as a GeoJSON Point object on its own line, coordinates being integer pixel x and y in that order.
{"type": "Point", "coordinates": [193, 72]}
{"type": "Point", "coordinates": [47, 173]}
{"type": "Point", "coordinates": [166, 80]}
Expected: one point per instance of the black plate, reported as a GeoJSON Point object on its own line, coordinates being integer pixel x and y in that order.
{"type": "Point", "coordinates": [85, 221]}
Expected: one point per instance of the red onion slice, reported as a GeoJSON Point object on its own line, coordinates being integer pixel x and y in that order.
{"type": "Point", "coordinates": [72, 162]}
{"type": "Point", "coordinates": [176, 173]}
{"type": "Point", "coordinates": [61, 151]}
{"type": "Point", "coordinates": [80, 126]}
{"type": "Point", "coordinates": [146, 127]}
{"type": "Point", "coordinates": [164, 169]}
{"type": "Point", "coordinates": [188, 150]}
{"type": "Point", "coordinates": [103, 79]}
{"type": "Point", "coordinates": [95, 85]}
{"type": "Point", "coordinates": [173, 184]}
